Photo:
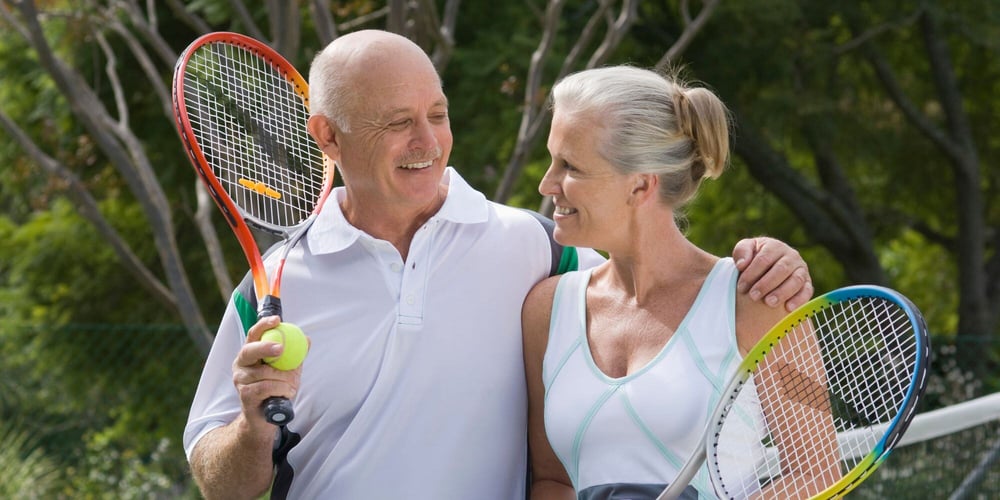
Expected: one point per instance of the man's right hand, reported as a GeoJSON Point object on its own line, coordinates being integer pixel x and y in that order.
{"type": "Point", "coordinates": [257, 381]}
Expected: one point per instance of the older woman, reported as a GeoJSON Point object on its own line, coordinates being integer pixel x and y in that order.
{"type": "Point", "coordinates": [625, 361]}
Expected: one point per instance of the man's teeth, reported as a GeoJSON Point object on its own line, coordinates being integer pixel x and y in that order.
{"type": "Point", "coordinates": [422, 164]}
{"type": "Point", "coordinates": [564, 210]}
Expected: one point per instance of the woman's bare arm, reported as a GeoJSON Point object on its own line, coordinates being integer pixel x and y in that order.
{"type": "Point", "coordinates": [549, 478]}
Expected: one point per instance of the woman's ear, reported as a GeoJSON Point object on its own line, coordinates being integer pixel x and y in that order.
{"type": "Point", "coordinates": [644, 188]}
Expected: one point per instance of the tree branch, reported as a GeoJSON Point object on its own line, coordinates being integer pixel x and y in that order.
{"type": "Point", "coordinates": [152, 73]}
{"type": "Point", "coordinates": [149, 33]}
{"type": "Point", "coordinates": [895, 91]}
{"type": "Point", "coordinates": [285, 25]}
{"type": "Point", "coordinates": [974, 307]}
{"type": "Point", "coordinates": [248, 23]}
{"type": "Point", "coordinates": [396, 21]}
{"type": "Point", "coordinates": [203, 221]}
{"type": "Point", "coordinates": [691, 29]}
{"type": "Point", "coordinates": [365, 19]}
{"type": "Point", "coordinates": [615, 33]}
{"type": "Point", "coordinates": [440, 31]}
{"type": "Point", "coordinates": [194, 22]}
{"type": "Point", "coordinates": [205, 206]}
{"type": "Point", "coordinates": [826, 219]}
{"type": "Point", "coordinates": [583, 41]}
{"type": "Point", "coordinates": [528, 130]}
{"type": "Point", "coordinates": [876, 31]}
{"type": "Point", "coordinates": [949, 95]}
{"type": "Point", "coordinates": [326, 28]}
{"type": "Point", "coordinates": [9, 17]}
{"type": "Point", "coordinates": [443, 53]}
{"type": "Point", "coordinates": [110, 64]}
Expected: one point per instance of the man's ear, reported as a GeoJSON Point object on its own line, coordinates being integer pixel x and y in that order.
{"type": "Point", "coordinates": [325, 135]}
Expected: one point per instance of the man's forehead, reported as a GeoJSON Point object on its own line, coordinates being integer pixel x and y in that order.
{"type": "Point", "coordinates": [388, 109]}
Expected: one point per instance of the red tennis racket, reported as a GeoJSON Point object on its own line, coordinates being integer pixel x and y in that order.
{"type": "Point", "coordinates": [242, 113]}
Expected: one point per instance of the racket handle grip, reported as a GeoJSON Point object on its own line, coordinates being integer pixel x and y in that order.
{"type": "Point", "coordinates": [278, 410]}
{"type": "Point", "coordinates": [269, 306]}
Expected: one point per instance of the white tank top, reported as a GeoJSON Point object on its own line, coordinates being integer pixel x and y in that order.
{"type": "Point", "coordinates": [628, 437]}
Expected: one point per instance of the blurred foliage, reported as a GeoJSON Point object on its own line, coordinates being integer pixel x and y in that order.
{"type": "Point", "coordinates": [97, 410]}
{"type": "Point", "coordinates": [26, 471]}
{"type": "Point", "coordinates": [105, 405]}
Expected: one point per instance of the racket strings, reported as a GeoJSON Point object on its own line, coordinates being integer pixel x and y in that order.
{"type": "Point", "coordinates": [251, 126]}
{"type": "Point", "coordinates": [819, 403]}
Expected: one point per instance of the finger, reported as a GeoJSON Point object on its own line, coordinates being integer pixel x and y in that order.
{"type": "Point", "coordinates": [254, 395]}
{"type": "Point", "coordinates": [773, 282]}
{"type": "Point", "coordinates": [804, 295]}
{"type": "Point", "coordinates": [253, 353]}
{"type": "Point", "coordinates": [743, 252]}
{"type": "Point", "coordinates": [259, 382]}
{"type": "Point", "coordinates": [790, 289]}
{"type": "Point", "coordinates": [758, 268]}
{"type": "Point", "coordinates": [805, 292]}
{"type": "Point", "coordinates": [262, 325]}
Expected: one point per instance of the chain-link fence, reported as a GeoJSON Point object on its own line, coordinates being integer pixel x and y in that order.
{"type": "Point", "coordinates": [96, 411]}
{"type": "Point", "coordinates": [960, 465]}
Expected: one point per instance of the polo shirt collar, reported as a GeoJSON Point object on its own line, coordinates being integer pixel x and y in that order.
{"type": "Point", "coordinates": [332, 233]}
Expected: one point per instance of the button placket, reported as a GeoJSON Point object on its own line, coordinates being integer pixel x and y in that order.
{"type": "Point", "coordinates": [411, 304]}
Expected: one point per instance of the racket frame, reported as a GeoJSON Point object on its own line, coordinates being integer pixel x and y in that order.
{"type": "Point", "coordinates": [240, 221]}
{"type": "Point", "coordinates": [748, 367]}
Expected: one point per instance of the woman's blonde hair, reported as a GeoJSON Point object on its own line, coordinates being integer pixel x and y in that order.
{"type": "Point", "coordinates": [652, 123]}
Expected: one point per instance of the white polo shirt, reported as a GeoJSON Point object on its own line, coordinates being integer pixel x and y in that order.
{"type": "Point", "coordinates": [414, 384]}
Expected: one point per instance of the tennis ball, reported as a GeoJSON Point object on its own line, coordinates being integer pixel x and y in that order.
{"type": "Point", "coordinates": [295, 342]}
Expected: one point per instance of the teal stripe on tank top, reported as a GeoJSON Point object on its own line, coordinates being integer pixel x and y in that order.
{"type": "Point", "coordinates": [670, 457]}
{"type": "Point", "coordinates": [578, 440]}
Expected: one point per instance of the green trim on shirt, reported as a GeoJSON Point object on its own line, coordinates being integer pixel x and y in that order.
{"type": "Point", "coordinates": [569, 261]}
{"type": "Point", "coordinates": [246, 309]}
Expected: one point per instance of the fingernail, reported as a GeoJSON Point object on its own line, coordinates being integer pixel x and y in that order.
{"type": "Point", "coordinates": [772, 301]}
{"type": "Point", "coordinates": [276, 349]}
{"type": "Point", "coordinates": [754, 294]}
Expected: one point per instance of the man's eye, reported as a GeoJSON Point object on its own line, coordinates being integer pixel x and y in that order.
{"type": "Point", "coordinates": [400, 123]}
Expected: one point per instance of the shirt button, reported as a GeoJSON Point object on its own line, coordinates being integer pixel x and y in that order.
{"type": "Point", "coordinates": [396, 267]}
{"type": "Point", "coordinates": [410, 299]}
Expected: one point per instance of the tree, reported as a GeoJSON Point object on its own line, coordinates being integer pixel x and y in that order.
{"type": "Point", "coordinates": [950, 130]}
{"type": "Point", "coordinates": [858, 118]}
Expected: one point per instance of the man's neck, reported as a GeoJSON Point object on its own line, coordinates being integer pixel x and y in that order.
{"type": "Point", "coordinates": [397, 225]}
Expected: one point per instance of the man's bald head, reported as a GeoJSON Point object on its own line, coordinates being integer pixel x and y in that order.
{"type": "Point", "coordinates": [344, 70]}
